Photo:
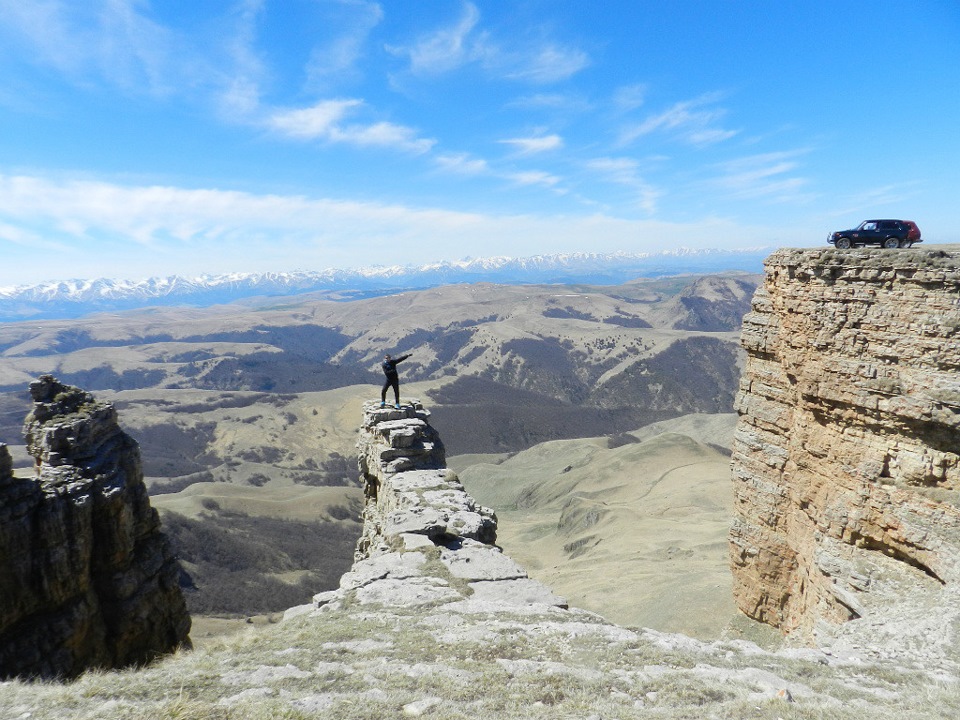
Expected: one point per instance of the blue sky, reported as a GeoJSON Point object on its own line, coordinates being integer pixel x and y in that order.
{"type": "Point", "coordinates": [141, 138]}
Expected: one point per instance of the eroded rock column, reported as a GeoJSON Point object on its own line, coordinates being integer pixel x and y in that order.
{"type": "Point", "coordinates": [425, 540]}
{"type": "Point", "coordinates": [86, 577]}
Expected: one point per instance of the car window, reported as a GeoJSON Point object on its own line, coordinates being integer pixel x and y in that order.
{"type": "Point", "coordinates": [869, 226]}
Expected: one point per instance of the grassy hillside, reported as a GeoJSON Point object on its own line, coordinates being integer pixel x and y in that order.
{"type": "Point", "coordinates": [460, 663]}
{"type": "Point", "coordinates": [248, 414]}
{"type": "Point", "coordinates": [633, 529]}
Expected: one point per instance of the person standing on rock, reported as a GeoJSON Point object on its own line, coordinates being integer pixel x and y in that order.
{"type": "Point", "coordinates": [389, 366]}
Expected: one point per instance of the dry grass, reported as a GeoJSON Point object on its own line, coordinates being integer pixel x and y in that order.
{"type": "Point", "coordinates": [637, 533]}
{"type": "Point", "coordinates": [370, 663]}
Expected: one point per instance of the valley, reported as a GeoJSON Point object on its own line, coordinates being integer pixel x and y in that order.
{"type": "Point", "coordinates": [246, 419]}
{"type": "Point", "coordinates": [634, 529]}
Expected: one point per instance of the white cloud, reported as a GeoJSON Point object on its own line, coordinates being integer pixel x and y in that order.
{"type": "Point", "coordinates": [533, 177]}
{"type": "Point", "coordinates": [462, 164]}
{"type": "Point", "coordinates": [25, 238]}
{"type": "Point", "coordinates": [691, 121]}
{"type": "Point", "coordinates": [463, 42]}
{"type": "Point", "coordinates": [619, 170]}
{"type": "Point", "coordinates": [533, 145]}
{"type": "Point", "coordinates": [324, 121]}
{"type": "Point", "coordinates": [547, 64]}
{"type": "Point", "coordinates": [626, 172]}
{"type": "Point", "coordinates": [444, 49]}
{"type": "Point", "coordinates": [566, 103]}
{"type": "Point", "coordinates": [766, 175]}
{"type": "Point", "coordinates": [134, 49]}
{"type": "Point", "coordinates": [119, 43]}
{"type": "Point", "coordinates": [237, 85]}
{"type": "Point", "coordinates": [333, 61]}
{"type": "Point", "coordinates": [383, 134]}
{"type": "Point", "coordinates": [109, 39]}
{"type": "Point", "coordinates": [709, 136]}
{"type": "Point", "coordinates": [239, 98]}
{"type": "Point", "coordinates": [318, 121]}
{"type": "Point", "coordinates": [875, 201]}
{"type": "Point", "coordinates": [630, 97]}
{"type": "Point", "coordinates": [465, 164]}
{"type": "Point", "coordinates": [139, 231]}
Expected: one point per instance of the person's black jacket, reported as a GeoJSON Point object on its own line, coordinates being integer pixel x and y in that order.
{"type": "Point", "coordinates": [390, 366]}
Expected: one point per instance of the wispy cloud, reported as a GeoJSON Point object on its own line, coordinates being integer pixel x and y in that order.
{"type": "Point", "coordinates": [536, 144]}
{"type": "Point", "coordinates": [626, 172]}
{"type": "Point", "coordinates": [692, 121]}
{"type": "Point", "coordinates": [875, 200]}
{"type": "Point", "coordinates": [149, 230]}
{"type": "Point", "coordinates": [319, 121]}
{"type": "Point", "coordinates": [325, 121]}
{"type": "Point", "coordinates": [120, 44]}
{"type": "Point", "coordinates": [463, 42]}
{"type": "Point", "coordinates": [25, 238]}
{"type": "Point", "coordinates": [630, 97]}
{"type": "Point", "coordinates": [237, 85]}
{"type": "Point", "coordinates": [471, 166]}
{"type": "Point", "coordinates": [462, 164]}
{"type": "Point", "coordinates": [445, 48]}
{"type": "Point", "coordinates": [547, 64]}
{"type": "Point", "coordinates": [111, 40]}
{"type": "Point", "coordinates": [334, 61]}
{"type": "Point", "coordinates": [565, 102]}
{"type": "Point", "coordinates": [769, 176]}
{"type": "Point", "coordinates": [533, 177]}
{"type": "Point", "coordinates": [241, 95]}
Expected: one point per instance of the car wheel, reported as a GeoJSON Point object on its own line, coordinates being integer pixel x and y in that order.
{"type": "Point", "coordinates": [842, 243]}
{"type": "Point", "coordinates": [891, 243]}
{"type": "Point", "coordinates": [905, 243]}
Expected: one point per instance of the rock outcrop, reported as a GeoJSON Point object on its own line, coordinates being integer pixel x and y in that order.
{"type": "Point", "coordinates": [434, 621]}
{"type": "Point", "coordinates": [425, 541]}
{"type": "Point", "coordinates": [845, 460]}
{"type": "Point", "coordinates": [86, 577]}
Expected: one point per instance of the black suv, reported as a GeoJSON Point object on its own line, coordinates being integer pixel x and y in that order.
{"type": "Point", "coordinates": [885, 233]}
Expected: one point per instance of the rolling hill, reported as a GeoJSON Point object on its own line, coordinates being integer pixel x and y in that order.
{"type": "Point", "coordinates": [635, 529]}
{"type": "Point", "coordinates": [247, 414]}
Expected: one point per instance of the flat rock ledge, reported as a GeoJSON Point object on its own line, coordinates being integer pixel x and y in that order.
{"type": "Point", "coordinates": [426, 541]}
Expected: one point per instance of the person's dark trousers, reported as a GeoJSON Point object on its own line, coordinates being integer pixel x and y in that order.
{"type": "Point", "coordinates": [393, 382]}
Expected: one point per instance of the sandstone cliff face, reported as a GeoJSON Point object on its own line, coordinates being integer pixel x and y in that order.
{"type": "Point", "coordinates": [86, 577]}
{"type": "Point", "coordinates": [425, 541]}
{"type": "Point", "coordinates": [845, 462]}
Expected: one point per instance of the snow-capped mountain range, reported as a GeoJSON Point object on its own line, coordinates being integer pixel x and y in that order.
{"type": "Point", "coordinates": [72, 298]}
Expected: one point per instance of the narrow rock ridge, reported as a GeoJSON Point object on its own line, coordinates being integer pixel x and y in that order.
{"type": "Point", "coordinates": [845, 459]}
{"type": "Point", "coordinates": [425, 541]}
{"type": "Point", "coordinates": [86, 577]}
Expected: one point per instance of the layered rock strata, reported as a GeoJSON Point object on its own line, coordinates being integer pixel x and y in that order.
{"type": "Point", "coordinates": [845, 459]}
{"type": "Point", "coordinates": [87, 579]}
{"type": "Point", "coordinates": [425, 541]}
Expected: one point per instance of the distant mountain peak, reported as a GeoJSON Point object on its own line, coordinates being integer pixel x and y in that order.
{"type": "Point", "coordinates": [75, 297]}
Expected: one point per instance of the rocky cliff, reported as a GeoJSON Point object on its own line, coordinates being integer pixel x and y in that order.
{"type": "Point", "coordinates": [845, 461]}
{"type": "Point", "coordinates": [86, 576]}
{"type": "Point", "coordinates": [434, 621]}
{"type": "Point", "coordinates": [425, 541]}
